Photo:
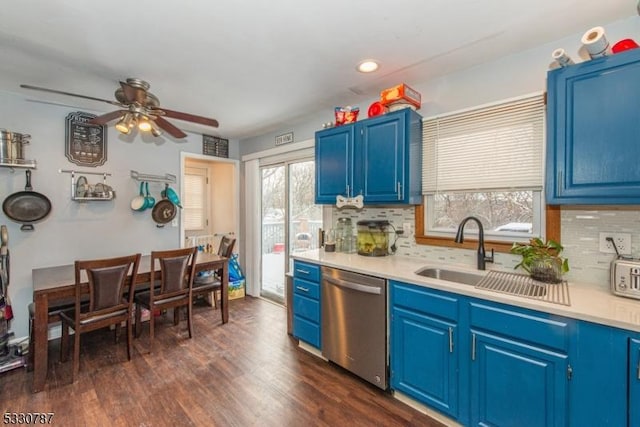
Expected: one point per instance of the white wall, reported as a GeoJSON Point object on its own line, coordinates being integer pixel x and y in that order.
{"type": "Point", "coordinates": [511, 76]}
{"type": "Point", "coordinates": [508, 77]}
{"type": "Point", "coordinates": [81, 230]}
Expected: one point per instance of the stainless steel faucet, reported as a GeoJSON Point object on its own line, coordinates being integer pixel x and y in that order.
{"type": "Point", "coordinates": [482, 258]}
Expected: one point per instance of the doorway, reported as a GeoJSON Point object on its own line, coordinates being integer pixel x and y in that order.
{"type": "Point", "coordinates": [210, 188]}
{"type": "Point", "coordinates": [290, 220]}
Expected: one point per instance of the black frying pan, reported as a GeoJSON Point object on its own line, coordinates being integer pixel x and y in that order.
{"type": "Point", "coordinates": [26, 206]}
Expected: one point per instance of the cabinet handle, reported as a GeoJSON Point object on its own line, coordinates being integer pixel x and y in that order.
{"type": "Point", "coordinates": [348, 188]}
{"type": "Point", "coordinates": [450, 339]}
{"type": "Point", "coordinates": [639, 364]}
{"type": "Point", "coordinates": [302, 271]}
{"type": "Point", "coordinates": [399, 191]}
{"type": "Point", "coordinates": [559, 184]}
{"type": "Point", "coordinates": [300, 288]}
{"type": "Point", "coordinates": [473, 346]}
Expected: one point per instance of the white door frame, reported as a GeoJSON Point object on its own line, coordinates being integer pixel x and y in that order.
{"type": "Point", "coordinates": [252, 210]}
{"type": "Point", "coordinates": [193, 156]}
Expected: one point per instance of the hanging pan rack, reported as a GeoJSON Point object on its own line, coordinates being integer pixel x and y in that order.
{"type": "Point", "coordinates": [80, 188]}
{"type": "Point", "coordinates": [166, 178]}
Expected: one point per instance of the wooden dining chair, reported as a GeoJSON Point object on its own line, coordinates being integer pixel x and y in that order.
{"type": "Point", "coordinates": [110, 287]}
{"type": "Point", "coordinates": [174, 288]}
{"type": "Point", "coordinates": [213, 283]}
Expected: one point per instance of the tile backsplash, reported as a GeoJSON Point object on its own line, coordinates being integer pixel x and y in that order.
{"type": "Point", "coordinates": [580, 238]}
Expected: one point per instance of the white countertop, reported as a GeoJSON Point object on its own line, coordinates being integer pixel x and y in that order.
{"type": "Point", "coordinates": [588, 303]}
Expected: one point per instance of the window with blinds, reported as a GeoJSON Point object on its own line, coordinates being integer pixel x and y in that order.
{"type": "Point", "coordinates": [194, 199]}
{"type": "Point", "coordinates": [486, 162]}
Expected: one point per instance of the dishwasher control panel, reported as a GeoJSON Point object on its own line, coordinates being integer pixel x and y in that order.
{"type": "Point", "coordinates": [625, 278]}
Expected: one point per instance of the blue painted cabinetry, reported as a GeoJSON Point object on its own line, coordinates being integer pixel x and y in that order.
{"type": "Point", "coordinates": [593, 131]}
{"type": "Point", "coordinates": [379, 158]}
{"type": "Point", "coordinates": [519, 367]}
{"type": "Point", "coordinates": [425, 350]}
{"type": "Point", "coordinates": [306, 303]}
{"type": "Point", "coordinates": [599, 358]}
{"type": "Point", "coordinates": [479, 362]}
{"type": "Point", "coordinates": [634, 382]}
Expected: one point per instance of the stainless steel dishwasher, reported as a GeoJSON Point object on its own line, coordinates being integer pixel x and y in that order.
{"type": "Point", "coordinates": [354, 323]}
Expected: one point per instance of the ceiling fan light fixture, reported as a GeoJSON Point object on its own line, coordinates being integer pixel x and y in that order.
{"type": "Point", "coordinates": [125, 124]}
{"type": "Point", "coordinates": [144, 125]}
{"type": "Point", "coordinates": [155, 130]}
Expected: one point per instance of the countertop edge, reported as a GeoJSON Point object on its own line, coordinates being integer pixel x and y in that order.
{"type": "Point", "coordinates": [588, 303]}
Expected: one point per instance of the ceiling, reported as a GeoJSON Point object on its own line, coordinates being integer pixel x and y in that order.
{"type": "Point", "coordinates": [258, 66]}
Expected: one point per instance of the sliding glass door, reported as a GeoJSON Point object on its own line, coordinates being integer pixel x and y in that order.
{"type": "Point", "coordinates": [290, 220]}
{"type": "Point", "coordinates": [273, 203]}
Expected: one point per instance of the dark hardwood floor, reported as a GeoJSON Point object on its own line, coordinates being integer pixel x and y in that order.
{"type": "Point", "coordinates": [248, 372]}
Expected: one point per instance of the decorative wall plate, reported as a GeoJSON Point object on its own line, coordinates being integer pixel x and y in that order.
{"type": "Point", "coordinates": [85, 144]}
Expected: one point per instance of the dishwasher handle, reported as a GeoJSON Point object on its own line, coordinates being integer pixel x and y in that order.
{"type": "Point", "coordinates": [354, 286]}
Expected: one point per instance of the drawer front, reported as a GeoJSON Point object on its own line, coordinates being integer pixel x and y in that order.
{"type": "Point", "coordinates": [424, 300]}
{"type": "Point", "coordinates": [307, 308]}
{"type": "Point", "coordinates": [524, 325]}
{"type": "Point", "coordinates": [306, 331]}
{"type": "Point", "coordinates": [306, 271]}
{"type": "Point", "coordinates": [306, 288]}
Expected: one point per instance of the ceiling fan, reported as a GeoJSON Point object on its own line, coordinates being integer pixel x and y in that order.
{"type": "Point", "coordinates": [139, 108]}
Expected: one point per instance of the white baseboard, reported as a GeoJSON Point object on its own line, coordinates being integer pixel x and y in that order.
{"type": "Point", "coordinates": [311, 349]}
{"type": "Point", "coordinates": [425, 409]}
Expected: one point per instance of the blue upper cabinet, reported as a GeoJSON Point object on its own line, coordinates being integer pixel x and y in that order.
{"type": "Point", "coordinates": [379, 158]}
{"type": "Point", "coordinates": [334, 156]}
{"type": "Point", "coordinates": [593, 131]}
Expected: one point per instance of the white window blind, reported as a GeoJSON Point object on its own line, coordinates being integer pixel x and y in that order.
{"type": "Point", "coordinates": [194, 214]}
{"type": "Point", "coordinates": [494, 147]}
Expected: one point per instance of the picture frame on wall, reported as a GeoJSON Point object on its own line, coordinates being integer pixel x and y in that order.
{"type": "Point", "coordinates": [85, 144]}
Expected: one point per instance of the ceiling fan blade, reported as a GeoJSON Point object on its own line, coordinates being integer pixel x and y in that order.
{"type": "Point", "coordinates": [169, 128]}
{"type": "Point", "coordinates": [106, 118]}
{"type": "Point", "coordinates": [60, 92]}
{"type": "Point", "coordinates": [133, 94]}
{"type": "Point", "coordinates": [190, 118]}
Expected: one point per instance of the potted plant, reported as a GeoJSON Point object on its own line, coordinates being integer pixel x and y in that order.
{"type": "Point", "coordinates": [542, 260]}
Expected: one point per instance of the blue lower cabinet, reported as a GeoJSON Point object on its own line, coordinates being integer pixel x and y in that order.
{"type": "Point", "coordinates": [424, 363]}
{"type": "Point", "coordinates": [306, 303]}
{"type": "Point", "coordinates": [306, 331]}
{"type": "Point", "coordinates": [634, 382]}
{"type": "Point", "coordinates": [424, 353]}
{"type": "Point", "coordinates": [516, 384]}
{"type": "Point", "coordinates": [598, 392]}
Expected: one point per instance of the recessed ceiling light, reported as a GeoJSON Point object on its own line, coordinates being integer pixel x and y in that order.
{"type": "Point", "coordinates": [367, 66]}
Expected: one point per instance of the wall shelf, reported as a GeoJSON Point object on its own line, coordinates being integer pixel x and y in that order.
{"type": "Point", "coordinates": [21, 164]}
{"type": "Point", "coordinates": [166, 178]}
{"type": "Point", "coordinates": [78, 192]}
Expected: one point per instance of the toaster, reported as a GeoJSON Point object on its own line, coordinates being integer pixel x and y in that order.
{"type": "Point", "coordinates": [625, 277]}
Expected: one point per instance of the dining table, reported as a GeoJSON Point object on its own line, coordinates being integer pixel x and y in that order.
{"type": "Point", "coordinates": [57, 283]}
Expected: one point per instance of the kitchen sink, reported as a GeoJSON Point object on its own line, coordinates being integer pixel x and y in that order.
{"type": "Point", "coordinates": [450, 275]}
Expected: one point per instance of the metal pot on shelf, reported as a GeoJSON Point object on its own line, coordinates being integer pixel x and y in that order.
{"type": "Point", "coordinates": [12, 145]}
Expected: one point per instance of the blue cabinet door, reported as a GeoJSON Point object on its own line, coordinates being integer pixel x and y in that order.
{"type": "Point", "coordinates": [599, 368]}
{"type": "Point", "coordinates": [334, 163]}
{"type": "Point", "coordinates": [380, 169]}
{"type": "Point", "coordinates": [516, 384]}
{"type": "Point", "coordinates": [634, 383]}
{"type": "Point", "coordinates": [593, 132]}
{"type": "Point", "coordinates": [424, 359]}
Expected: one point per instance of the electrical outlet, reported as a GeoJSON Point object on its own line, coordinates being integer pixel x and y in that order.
{"type": "Point", "coordinates": [622, 241]}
